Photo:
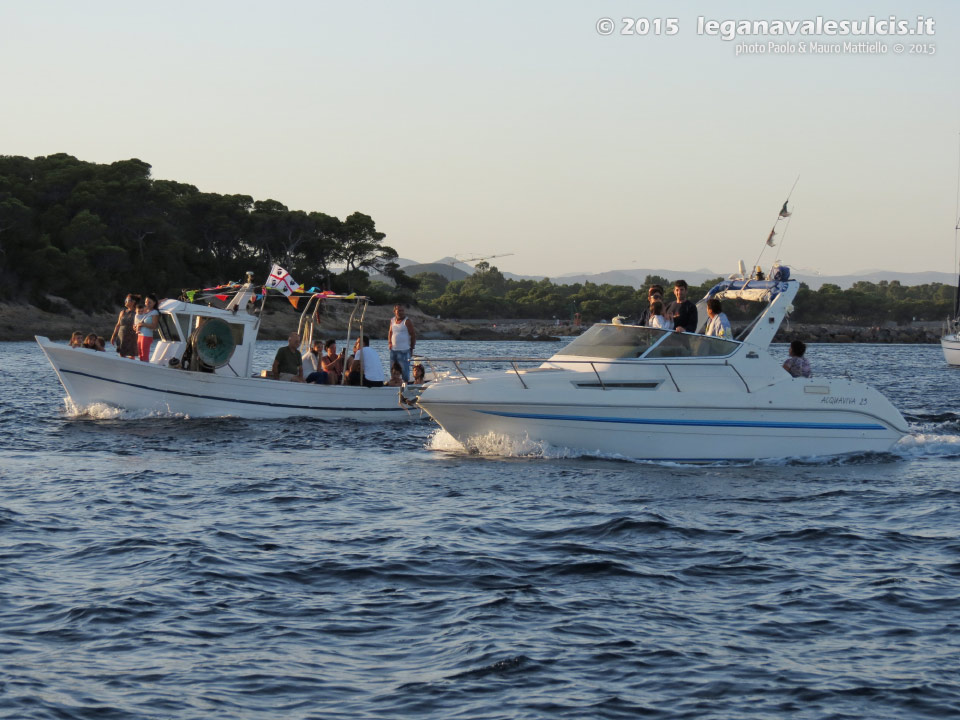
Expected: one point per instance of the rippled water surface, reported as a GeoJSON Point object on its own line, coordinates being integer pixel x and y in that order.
{"type": "Point", "coordinates": [157, 567]}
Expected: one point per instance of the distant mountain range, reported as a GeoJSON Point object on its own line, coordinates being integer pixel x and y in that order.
{"type": "Point", "coordinates": [634, 277]}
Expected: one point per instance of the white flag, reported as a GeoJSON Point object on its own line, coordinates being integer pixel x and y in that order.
{"type": "Point", "coordinates": [282, 281]}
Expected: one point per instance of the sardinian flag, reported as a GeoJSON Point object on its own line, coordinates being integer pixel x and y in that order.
{"type": "Point", "coordinates": [281, 280]}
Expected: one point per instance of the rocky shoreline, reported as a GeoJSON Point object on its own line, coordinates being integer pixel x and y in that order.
{"type": "Point", "coordinates": [23, 322]}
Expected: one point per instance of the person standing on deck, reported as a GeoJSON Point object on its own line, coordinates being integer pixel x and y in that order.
{"type": "Point", "coordinates": [718, 325]}
{"type": "Point", "coordinates": [682, 312]}
{"type": "Point", "coordinates": [146, 320]}
{"type": "Point", "coordinates": [124, 336]}
{"type": "Point", "coordinates": [401, 339]}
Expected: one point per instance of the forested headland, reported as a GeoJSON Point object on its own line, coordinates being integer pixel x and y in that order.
{"type": "Point", "coordinates": [90, 233]}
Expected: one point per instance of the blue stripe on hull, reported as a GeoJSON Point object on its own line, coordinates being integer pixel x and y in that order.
{"type": "Point", "coordinates": [690, 423]}
{"type": "Point", "coordinates": [233, 400]}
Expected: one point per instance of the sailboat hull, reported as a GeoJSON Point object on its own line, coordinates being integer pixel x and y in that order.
{"type": "Point", "coordinates": [951, 349]}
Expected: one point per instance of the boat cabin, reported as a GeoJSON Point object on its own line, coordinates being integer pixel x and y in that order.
{"type": "Point", "coordinates": [182, 322]}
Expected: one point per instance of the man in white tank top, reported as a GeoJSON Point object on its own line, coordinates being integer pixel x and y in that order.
{"type": "Point", "coordinates": [401, 339]}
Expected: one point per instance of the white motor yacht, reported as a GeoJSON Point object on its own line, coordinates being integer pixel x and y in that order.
{"type": "Point", "coordinates": [645, 393]}
{"type": "Point", "coordinates": [202, 366]}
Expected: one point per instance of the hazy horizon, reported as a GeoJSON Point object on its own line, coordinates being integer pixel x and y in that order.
{"type": "Point", "coordinates": [491, 128]}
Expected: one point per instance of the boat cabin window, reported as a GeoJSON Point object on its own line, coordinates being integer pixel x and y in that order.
{"type": "Point", "coordinates": [236, 329]}
{"type": "Point", "coordinates": [184, 319]}
{"type": "Point", "coordinates": [167, 327]}
{"type": "Point", "coordinates": [614, 341]}
{"type": "Point", "coordinates": [688, 345]}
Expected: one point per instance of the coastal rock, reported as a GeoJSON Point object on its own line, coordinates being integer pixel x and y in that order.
{"type": "Point", "coordinates": [20, 321]}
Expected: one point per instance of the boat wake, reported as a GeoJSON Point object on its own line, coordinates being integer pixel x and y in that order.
{"type": "Point", "coordinates": [924, 445]}
{"type": "Point", "coordinates": [102, 411]}
{"type": "Point", "coordinates": [942, 422]}
{"type": "Point", "coordinates": [494, 445]}
{"type": "Point", "coordinates": [504, 446]}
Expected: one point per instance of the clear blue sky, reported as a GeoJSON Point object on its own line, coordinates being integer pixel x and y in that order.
{"type": "Point", "coordinates": [494, 127]}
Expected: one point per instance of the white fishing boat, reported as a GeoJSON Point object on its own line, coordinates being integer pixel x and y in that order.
{"type": "Point", "coordinates": [202, 366]}
{"type": "Point", "coordinates": [645, 393]}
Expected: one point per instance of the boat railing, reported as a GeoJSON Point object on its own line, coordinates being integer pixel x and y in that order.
{"type": "Point", "coordinates": [556, 364]}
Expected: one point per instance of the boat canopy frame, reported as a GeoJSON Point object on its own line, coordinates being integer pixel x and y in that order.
{"type": "Point", "coordinates": [310, 320]}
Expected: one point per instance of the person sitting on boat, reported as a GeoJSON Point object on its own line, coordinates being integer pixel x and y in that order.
{"type": "Point", "coordinates": [718, 325]}
{"type": "Point", "coordinates": [371, 367]}
{"type": "Point", "coordinates": [90, 342]}
{"type": "Point", "coordinates": [287, 363]}
{"type": "Point", "coordinates": [311, 365]}
{"type": "Point", "coordinates": [311, 359]}
{"type": "Point", "coordinates": [656, 318]}
{"type": "Point", "coordinates": [332, 363]}
{"type": "Point", "coordinates": [396, 376]}
{"type": "Point", "coordinates": [681, 312]}
{"type": "Point", "coordinates": [76, 340]}
{"type": "Point", "coordinates": [419, 374]}
{"type": "Point", "coordinates": [797, 365]}
{"type": "Point", "coordinates": [124, 336]}
{"type": "Point", "coordinates": [354, 374]}
{"type": "Point", "coordinates": [145, 322]}
{"type": "Point", "coordinates": [401, 339]}
{"type": "Point", "coordinates": [654, 293]}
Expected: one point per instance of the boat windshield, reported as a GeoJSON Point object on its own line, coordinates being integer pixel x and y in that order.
{"type": "Point", "coordinates": [614, 341]}
{"type": "Point", "coordinates": [689, 345]}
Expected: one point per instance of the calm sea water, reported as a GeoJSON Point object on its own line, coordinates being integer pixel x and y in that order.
{"type": "Point", "coordinates": [155, 567]}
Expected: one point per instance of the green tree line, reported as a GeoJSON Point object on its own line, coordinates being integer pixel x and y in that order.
{"type": "Point", "coordinates": [488, 294]}
{"type": "Point", "coordinates": [91, 233]}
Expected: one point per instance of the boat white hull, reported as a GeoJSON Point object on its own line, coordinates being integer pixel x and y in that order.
{"type": "Point", "coordinates": [851, 418]}
{"type": "Point", "coordinates": [90, 377]}
{"type": "Point", "coordinates": [951, 349]}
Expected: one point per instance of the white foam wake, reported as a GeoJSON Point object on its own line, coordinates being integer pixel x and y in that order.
{"type": "Point", "coordinates": [102, 411]}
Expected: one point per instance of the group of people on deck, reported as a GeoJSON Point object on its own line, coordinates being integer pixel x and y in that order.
{"type": "Point", "coordinates": [133, 334]}
{"type": "Point", "coordinates": [321, 364]}
{"type": "Point", "coordinates": [92, 341]}
{"type": "Point", "coordinates": [681, 316]}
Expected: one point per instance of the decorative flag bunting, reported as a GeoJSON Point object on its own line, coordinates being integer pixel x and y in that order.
{"type": "Point", "coordinates": [770, 238]}
{"type": "Point", "coordinates": [282, 281]}
{"type": "Point", "coordinates": [784, 212]}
